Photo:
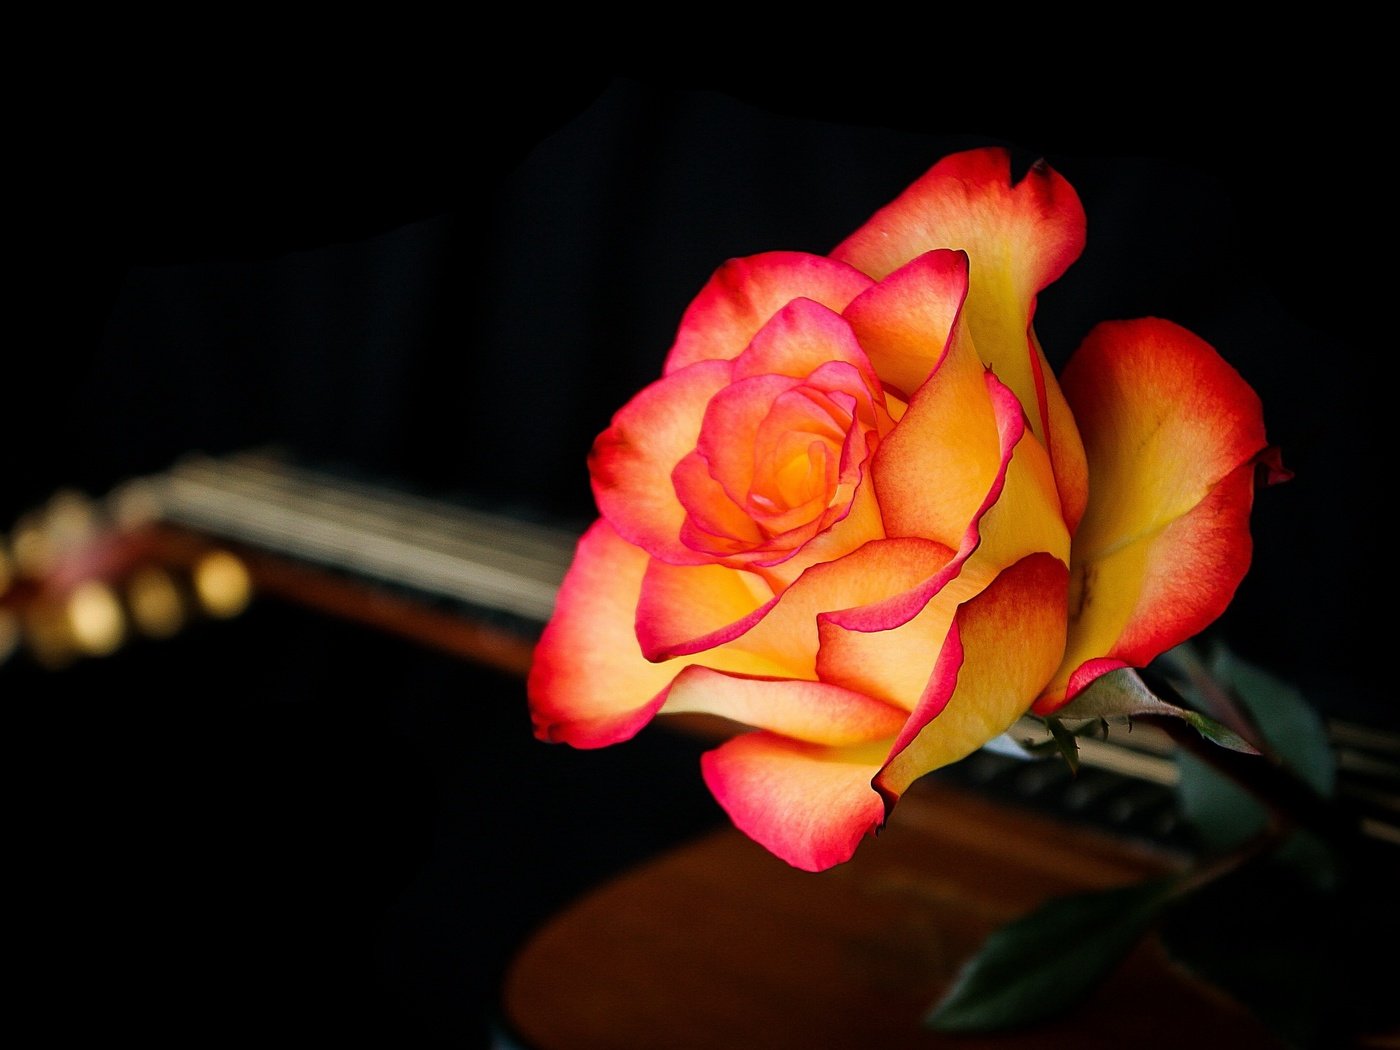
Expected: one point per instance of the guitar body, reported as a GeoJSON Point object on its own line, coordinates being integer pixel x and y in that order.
{"type": "Point", "coordinates": [323, 800]}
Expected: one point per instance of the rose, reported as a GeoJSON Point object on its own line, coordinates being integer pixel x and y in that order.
{"type": "Point", "coordinates": [858, 514]}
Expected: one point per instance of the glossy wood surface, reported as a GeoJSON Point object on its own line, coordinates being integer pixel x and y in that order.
{"type": "Point", "coordinates": [719, 945]}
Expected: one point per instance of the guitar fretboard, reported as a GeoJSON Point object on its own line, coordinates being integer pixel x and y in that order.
{"type": "Point", "coordinates": [441, 549]}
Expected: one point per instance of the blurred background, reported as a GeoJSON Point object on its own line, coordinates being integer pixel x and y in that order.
{"type": "Point", "coordinates": [288, 819]}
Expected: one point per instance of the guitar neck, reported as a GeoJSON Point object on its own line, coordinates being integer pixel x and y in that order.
{"type": "Point", "coordinates": [475, 583]}
{"type": "Point", "coordinates": [481, 585]}
{"type": "Point", "coordinates": [442, 550]}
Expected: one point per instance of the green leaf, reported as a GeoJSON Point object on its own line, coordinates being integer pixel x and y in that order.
{"type": "Point", "coordinates": [1064, 740]}
{"type": "Point", "coordinates": [1291, 726]}
{"type": "Point", "coordinates": [1223, 814]}
{"type": "Point", "coordinates": [1187, 671]}
{"type": "Point", "coordinates": [1049, 960]}
{"type": "Point", "coordinates": [1218, 732]}
{"type": "Point", "coordinates": [1123, 694]}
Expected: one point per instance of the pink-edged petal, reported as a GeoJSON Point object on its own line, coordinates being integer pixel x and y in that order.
{"type": "Point", "coordinates": [967, 200]}
{"type": "Point", "coordinates": [1020, 238]}
{"type": "Point", "coordinates": [860, 523]}
{"type": "Point", "coordinates": [802, 337]}
{"type": "Point", "coordinates": [1164, 418]}
{"type": "Point", "coordinates": [816, 712]}
{"type": "Point", "coordinates": [732, 422]}
{"type": "Point", "coordinates": [1026, 516]}
{"type": "Point", "coordinates": [1007, 643]}
{"type": "Point", "coordinates": [894, 663]}
{"type": "Point", "coordinates": [905, 321]}
{"type": "Point", "coordinates": [1174, 436]}
{"type": "Point", "coordinates": [714, 523]}
{"type": "Point", "coordinates": [934, 470]}
{"type": "Point", "coordinates": [686, 609]}
{"type": "Point", "coordinates": [744, 294]}
{"type": "Point", "coordinates": [632, 460]}
{"type": "Point", "coordinates": [1066, 449]}
{"type": "Point", "coordinates": [808, 804]}
{"type": "Point", "coordinates": [879, 573]}
{"type": "Point", "coordinates": [1146, 597]}
{"type": "Point", "coordinates": [589, 684]}
{"type": "Point", "coordinates": [783, 632]}
{"type": "Point", "coordinates": [1010, 536]}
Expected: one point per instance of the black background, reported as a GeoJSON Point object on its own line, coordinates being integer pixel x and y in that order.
{"type": "Point", "coordinates": [289, 824]}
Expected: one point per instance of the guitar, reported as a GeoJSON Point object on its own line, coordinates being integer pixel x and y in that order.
{"type": "Point", "coordinates": [201, 539]}
{"type": "Point", "coordinates": [82, 577]}
{"type": "Point", "coordinates": [204, 539]}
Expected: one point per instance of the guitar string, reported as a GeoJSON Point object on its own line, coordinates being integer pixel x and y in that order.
{"type": "Point", "coordinates": [480, 560]}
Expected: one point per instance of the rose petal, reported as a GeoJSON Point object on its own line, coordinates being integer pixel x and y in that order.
{"type": "Point", "coordinates": [589, 684]}
{"type": "Point", "coordinates": [631, 461]}
{"type": "Point", "coordinates": [1172, 433]}
{"type": "Point", "coordinates": [1149, 595]}
{"type": "Point", "coordinates": [1026, 516]}
{"type": "Point", "coordinates": [904, 322]}
{"type": "Point", "coordinates": [685, 609]}
{"type": "Point", "coordinates": [734, 419]}
{"type": "Point", "coordinates": [714, 524]}
{"type": "Point", "coordinates": [877, 574]}
{"type": "Point", "coordinates": [1009, 536]}
{"type": "Point", "coordinates": [1019, 238]}
{"type": "Point", "coordinates": [817, 712]}
{"type": "Point", "coordinates": [1007, 643]}
{"type": "Point", "coordinates": [1032, 230]}
{"type": "Point", "coordinates": [860, 524]}
{"type": "Point", "coordinates": [744, 294]}
{"type": "Point", "coordinates": [894, 664]}
{"type": "Point", "coordinates": [934, 470]}
{"type": "Point", "coordinates": [807, 804]}
{"type": "Point", "coordinates": [800, 338]}
{"type": "Point", "coordinates": [1064, 445]}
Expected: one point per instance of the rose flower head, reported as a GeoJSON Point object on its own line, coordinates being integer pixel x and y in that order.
{"type": "Point", "coordinates": [859, 516]}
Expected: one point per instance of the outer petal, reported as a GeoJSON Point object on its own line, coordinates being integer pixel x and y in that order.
{"type": "Point", "coordinates": [809, 805]}
{"type": "Point", "coordinates": [1020, 238]}
{"type": "Point", "coordinates": [1009, 638]}
{"type": "Point", "coordinates": [589, 684]}
{"type": "Point", "coordinates": [1033, 230]}
{"type": "Point", "coordinates": [1172, 434]}
{"type": "Point", "coordinates": [1026, 516]}
{"type": "Point", "coordinates": [631, 462]}
{"type": "Point", "coordinates": [744, 293]}
{"type": "Point", "coordinates": [1064, 443]}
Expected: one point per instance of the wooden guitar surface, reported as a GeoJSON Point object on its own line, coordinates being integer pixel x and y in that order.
{"type": "Point", "coordinates": [719, 945]}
